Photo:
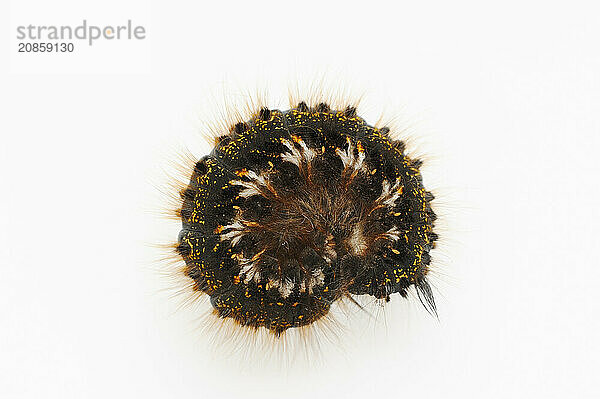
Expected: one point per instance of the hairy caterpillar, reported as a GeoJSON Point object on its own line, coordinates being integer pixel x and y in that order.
{"type": "Point", "coordinates": [296, 210]}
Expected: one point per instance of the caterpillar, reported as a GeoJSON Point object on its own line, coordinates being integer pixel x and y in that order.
{"type": "Point", "coordinates": [295, 210]}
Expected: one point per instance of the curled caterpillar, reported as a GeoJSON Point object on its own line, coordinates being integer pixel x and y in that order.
{"type": "Point", "coordinates": [294, 210]}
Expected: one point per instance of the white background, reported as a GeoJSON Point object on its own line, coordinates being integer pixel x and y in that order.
{"type": "Point", "coordinates": [503, 97]}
